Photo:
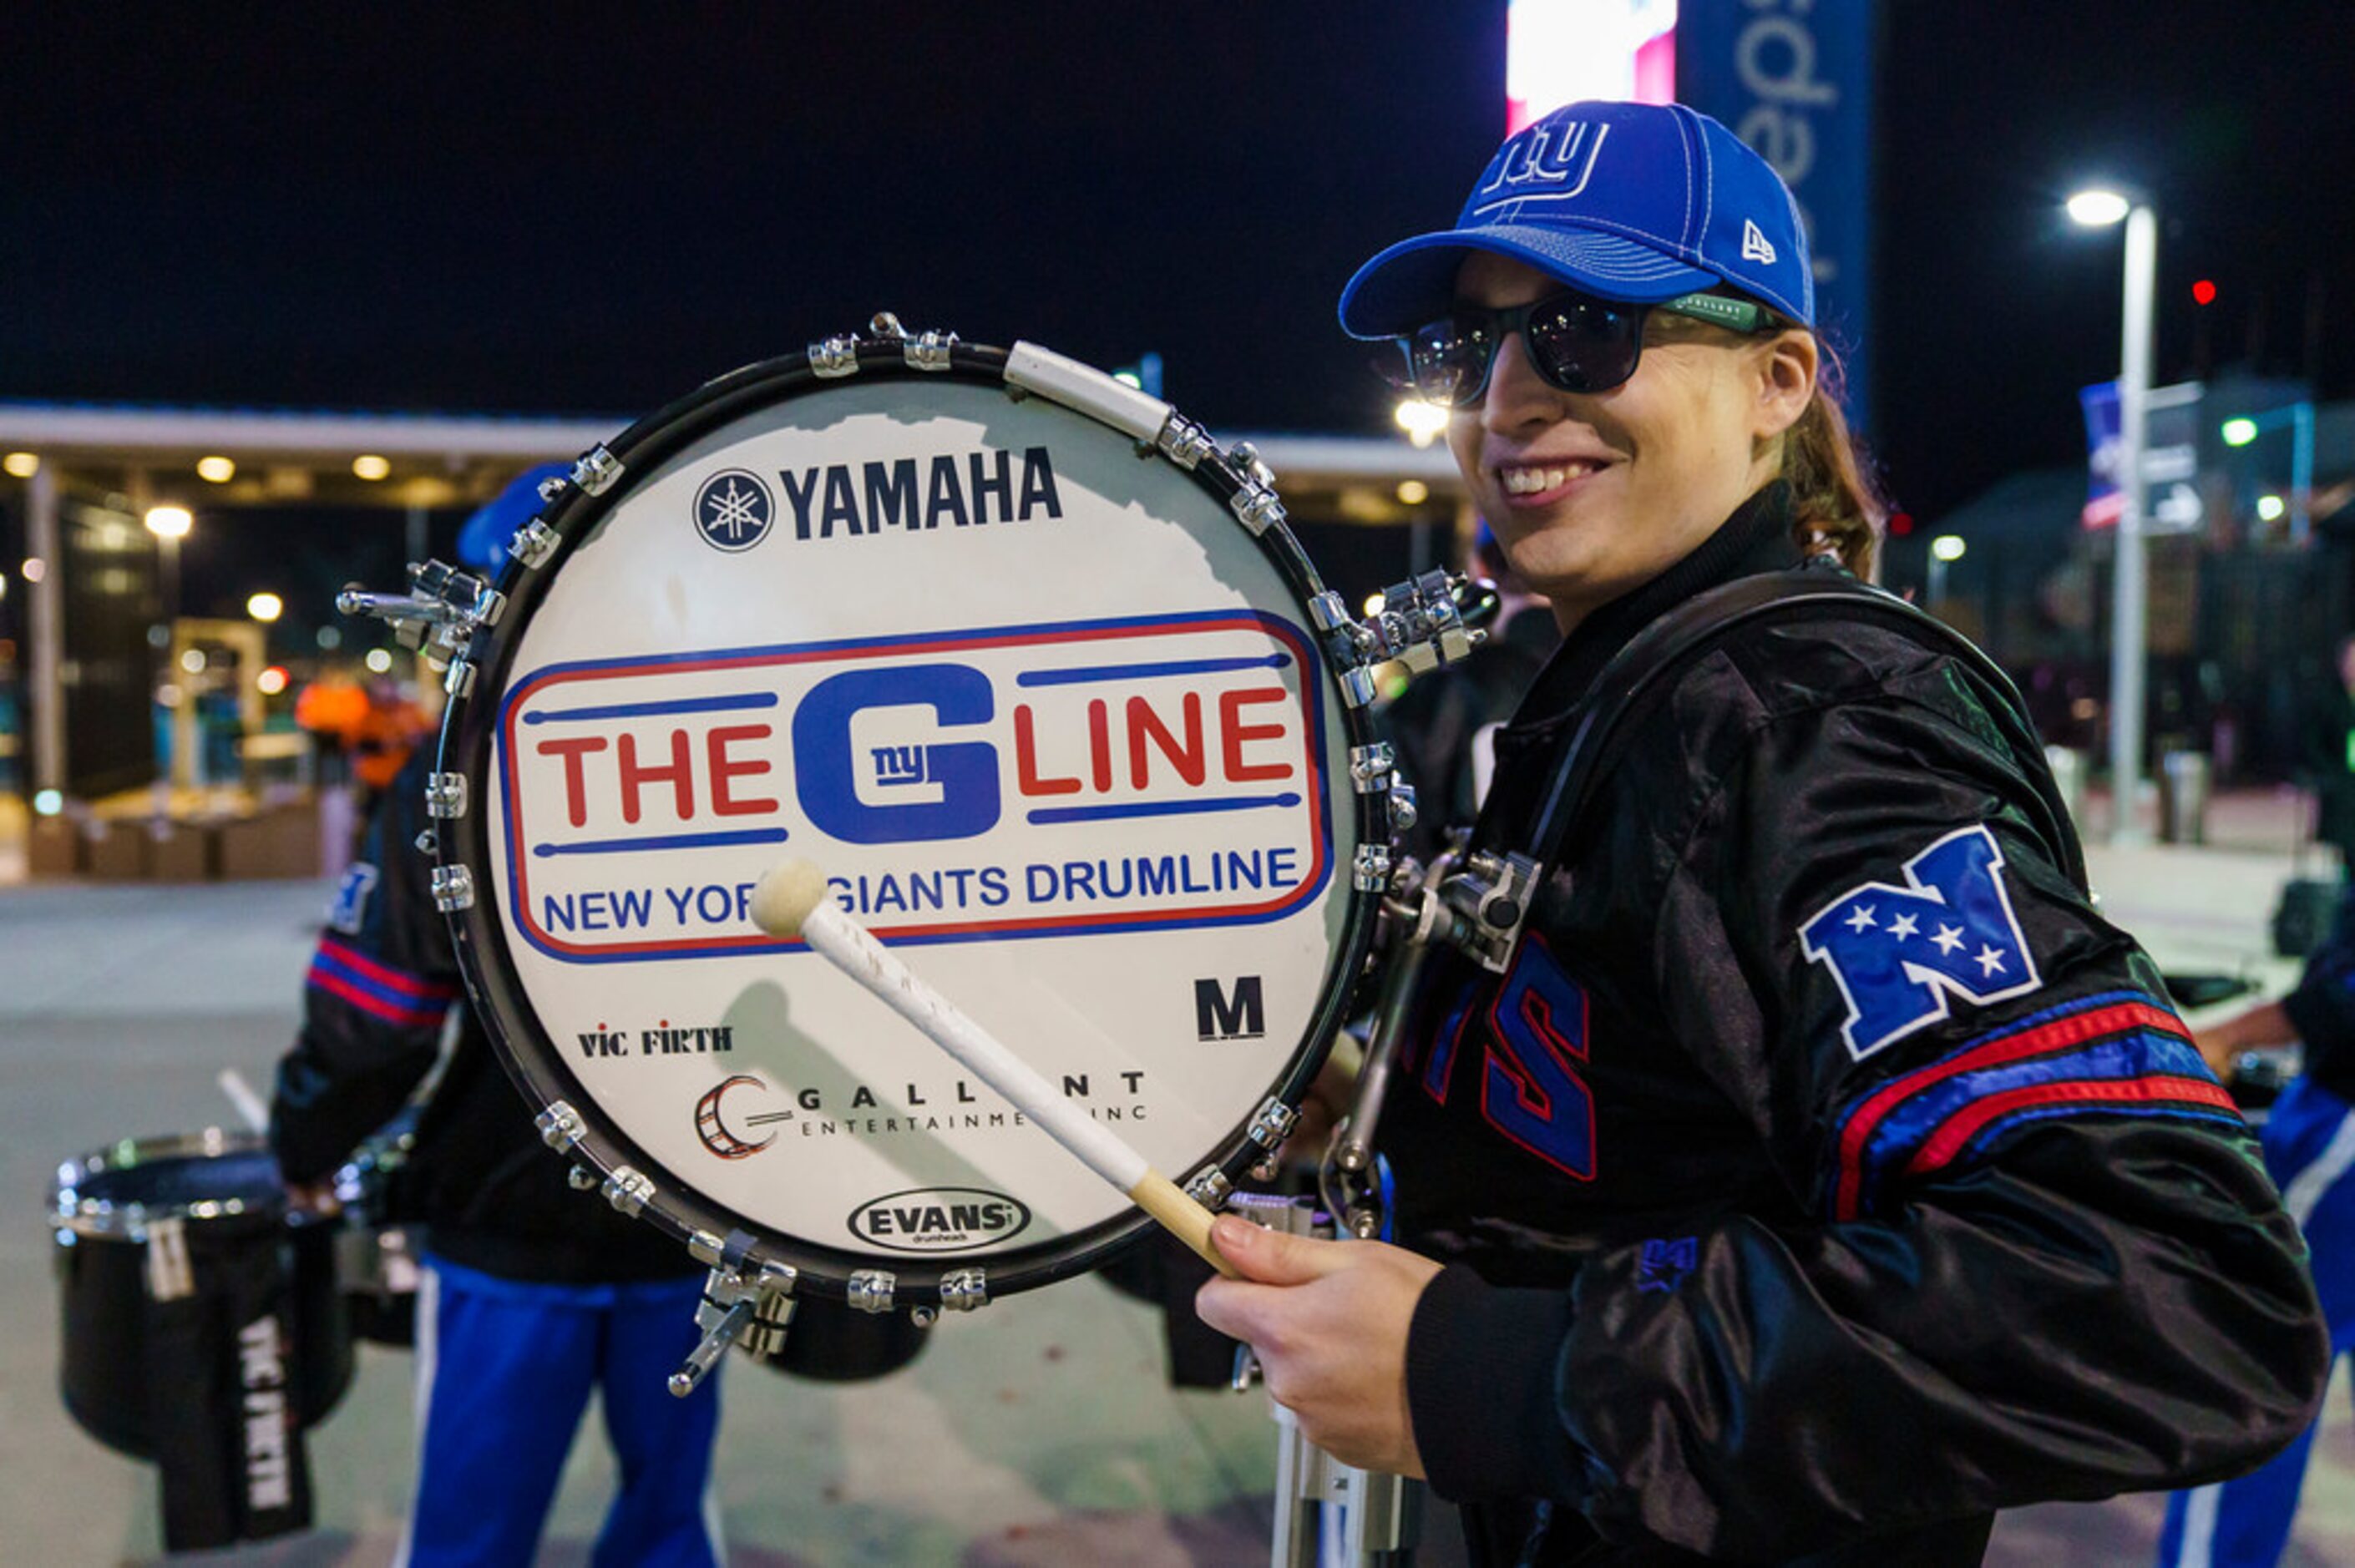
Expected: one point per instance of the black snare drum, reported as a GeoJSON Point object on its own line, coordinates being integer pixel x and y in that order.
{"type": "Point", "coordinates": [179, 1257]}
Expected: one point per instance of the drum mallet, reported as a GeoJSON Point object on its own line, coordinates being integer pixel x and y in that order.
{"type": "Point", "coordinates": [790, 900]}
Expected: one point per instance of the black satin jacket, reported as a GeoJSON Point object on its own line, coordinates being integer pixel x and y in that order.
{"type": "Point", "coordinates": [1825, 1173]}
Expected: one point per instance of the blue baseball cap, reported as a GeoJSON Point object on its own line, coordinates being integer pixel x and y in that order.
{"type": "Point", "coordinates": [1639, 202]}
{"type": "Point", "coordinates": [482, 538]}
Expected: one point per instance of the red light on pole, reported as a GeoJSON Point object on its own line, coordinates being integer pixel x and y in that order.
{"type": "Point", "coordinates": [2203, 293]}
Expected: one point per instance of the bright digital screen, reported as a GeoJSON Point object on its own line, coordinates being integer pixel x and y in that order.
{"type": "Point", "coordinates": [1560, 51]}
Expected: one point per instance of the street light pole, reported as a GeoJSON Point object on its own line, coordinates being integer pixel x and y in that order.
{"type": "Point", "coordinates": [2130, 590]}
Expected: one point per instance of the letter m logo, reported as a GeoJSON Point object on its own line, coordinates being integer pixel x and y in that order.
{"type": "Point", "coordinates": [1218, 1016]}
{"type": "Point", "coordinates": [1901, 954]}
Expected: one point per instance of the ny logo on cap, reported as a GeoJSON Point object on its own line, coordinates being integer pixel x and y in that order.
{"type": "Point", "coordinates": [1899, 952]}
{"type": "Point", "coordinates": [1754, 245]}
{"type": "Point", "coordinates": [1552, 160]}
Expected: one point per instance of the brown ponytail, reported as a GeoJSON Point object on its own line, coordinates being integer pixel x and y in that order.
{"type": "Point", "coordinates": [1834, 503]}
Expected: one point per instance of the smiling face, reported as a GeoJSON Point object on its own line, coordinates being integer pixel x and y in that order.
{"type": "Point", "coordinates": [1592, 494]}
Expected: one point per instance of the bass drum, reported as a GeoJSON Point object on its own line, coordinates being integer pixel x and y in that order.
{"type": "Point", "coordinates": [1033, 672]}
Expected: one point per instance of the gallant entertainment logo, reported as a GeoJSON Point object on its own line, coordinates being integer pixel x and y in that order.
{"type": "Point", "coordinates": [733, 511]}
{"type": "Point", "coordinates": [939, 1219]}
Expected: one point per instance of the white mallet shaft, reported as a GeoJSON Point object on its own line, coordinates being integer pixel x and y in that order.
{"type": "Point", "coordinates": [790, 900]}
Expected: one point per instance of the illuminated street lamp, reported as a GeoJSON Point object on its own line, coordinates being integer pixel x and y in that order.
{"type": "Point", "coordinates": [2130, 594]}
{"type": "Point", "coordinates": [21, 465]}
{"type": "Point", "coordinates": [265, 607]}
{"type": "Point", "coordinates": [170, 521]}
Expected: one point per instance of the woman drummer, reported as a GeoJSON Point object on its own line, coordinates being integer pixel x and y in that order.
{"type": "Point", "coordinates": [1822, 1173]}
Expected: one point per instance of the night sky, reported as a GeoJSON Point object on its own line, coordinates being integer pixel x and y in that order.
{"type": "Point", "coordinates": [293, 206]}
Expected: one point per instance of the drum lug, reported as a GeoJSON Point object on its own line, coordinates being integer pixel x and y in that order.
{"type": "Point", "coordinates": [1210, 1188]}
{"type": "Point", "coordinates": [870, 1289]}
{"type": "Point", "coordinates": [533, 544]}
{"type": "Point", "coordinates": [460, 681]}
{"type": "Point", "coordinates": [1274, 1123]}
{"type": "Point", "coordinates": [454, 888]}
{"type": "Point", "coordinates": [596, 469]}
{"type": "Point", "coordinates": [753, 1312]}
{"type": "Point", "coordinates": [929, 352]}
{"type": "Point", "coordinates": [965, 1289]}
{"type": "Point", "coordinates": [1370, 871]}
{"type": "Point", "coordinates": [1184, 443]}
{"type": "Point", "coordinates": [1403, 814]}
{"type": "Point", "coordinates": [1420, 624]}
{"type": "Point", "coordinates": [445, 794]}
{"type": "Point", "coordinates": [551, 489]}
{"type": "Point", "coordinates": [439, 614]}
{"type": "Point", "coordinates": [628, 1191]}
{"type": "Point", "coordinates": [835, 357]}
{"type": "Point", "coordinates": [1373, 768]}
{"type": "Point", "coordinates": [560, 1126]}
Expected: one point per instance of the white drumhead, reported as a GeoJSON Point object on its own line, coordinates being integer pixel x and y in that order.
{"type": "Point", "coordinates": [1049, 719]}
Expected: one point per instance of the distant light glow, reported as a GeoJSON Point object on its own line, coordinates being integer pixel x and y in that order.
{"type": "Point", "coordinates": [330, 637]}
{"type": "Point", "coordinates": [271, 681]}
{"type": "Point", "coordinates": [2270, 508]}
{"type": "Point", "coordinates": [2099, 209]}
{"type": "Point", "coordinates": [167, 695]}
{"type": "Point", "coordinates": [215, 470]}
{"type": "Point", "coordinates": [1948, 546]}
{"type": "Point", "coordinates": [34, 569]}
{"type": "Point", "coordinates": [378, 659]}
{"type": "Point", "coordinates": [2203, 293]}
{"type": "Point", "coordinates": [1412, 493]}
{"type": "Point", "coordinates": [1374, 602]}
{"type": "Point", "coordinates": [1901, 523]}
{"type": "Point", "coordinates": [21, 465]}
{"type": "Point", "coordinates": [170, 521]}
{"type": "Point", "coordinates": [2239, 432]}
{"type": "Point", "coordinates": [48, 803]}
{"type": "Point", "coordinates": [193, 660]}
{"type": "Point", "coordinates": [265, 607]}
{"type": "Point", "coordinates": [371, 467]}
{"type": "Point", "coordinates": [1421, 421]}
{"type": "Point", "coordinates": [1560, 51]}
{"type": "Point", "coordinates": [1129, 379]}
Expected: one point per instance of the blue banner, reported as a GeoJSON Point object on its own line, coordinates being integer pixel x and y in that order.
{"type": "Point", "coordinates": [1793, 79]}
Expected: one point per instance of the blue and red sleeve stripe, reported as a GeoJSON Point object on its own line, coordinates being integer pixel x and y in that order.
{"type": "Point", "coordinates": [378, 990]}
{"type": "Point", "coordinates": [2118, 1054]}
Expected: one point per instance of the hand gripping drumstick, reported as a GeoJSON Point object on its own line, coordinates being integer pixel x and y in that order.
{"type": "Point", "coordinates": [790, 901]}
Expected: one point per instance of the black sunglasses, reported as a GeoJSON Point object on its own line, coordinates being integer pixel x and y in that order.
{"type": "Point", "coordinates": [1576, 342]}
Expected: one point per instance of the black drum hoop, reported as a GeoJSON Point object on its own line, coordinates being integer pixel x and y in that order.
{"type": "Point", "coordinates": [715, 1233]}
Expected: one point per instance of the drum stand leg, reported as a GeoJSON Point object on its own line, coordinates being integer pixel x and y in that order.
{"type": "Point", "coordinates": [1327, 1514]}
{"type": "Point", "coordinates": [1332, 1515]}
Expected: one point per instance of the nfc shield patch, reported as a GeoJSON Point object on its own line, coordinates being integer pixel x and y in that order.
{"type": "Point", "coordinates": [1900, 954]}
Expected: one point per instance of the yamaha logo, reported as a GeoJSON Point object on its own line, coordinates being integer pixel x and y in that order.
{"type": "Point", "coordinates": [733, 511]}
{"type": "Point", "coordinates": [939, 1219]}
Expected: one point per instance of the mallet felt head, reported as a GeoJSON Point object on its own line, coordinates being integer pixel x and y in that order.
{"type": "Point", "coordinates": [784, 896]}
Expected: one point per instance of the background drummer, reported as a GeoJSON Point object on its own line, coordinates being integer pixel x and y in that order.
{"type": "Point", "coordinates": [533, 1295]}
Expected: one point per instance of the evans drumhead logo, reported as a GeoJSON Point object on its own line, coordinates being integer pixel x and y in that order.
{"type": "Point", "coordinates": [733, 511]}
{"type": "Point", "coordinates": [939, 1219]}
